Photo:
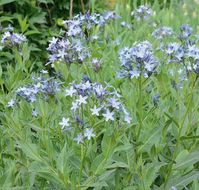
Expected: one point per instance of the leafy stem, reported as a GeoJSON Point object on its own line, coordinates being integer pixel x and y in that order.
{"type": "Point", "coordinates": [180, 130]}
{"type": "Point", "coordinates": [139, 106]}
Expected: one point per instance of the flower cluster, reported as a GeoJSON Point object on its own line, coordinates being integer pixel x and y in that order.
{"type": "Point", "coordinates": [10, 39]}
{"type": "Point", "coordinates": [87, 133]}
{"type": "Point", "coordinates": [137, 60]}
{"type": "Point", "coordinates": [162, 32]}
{"type": "Point", "coordinates": [175, 51]}
{"type": "Point", "coordinates": [143, 12]}
{"type": "Point", "coordinates": [67, 51]}
{"type": "Point", "coordinates": [193, 57]}
{"type": "Point", "coordinates": [91, 101]}
{"type": "Point", "coordinates": [73, 48]}
{"type": "Point", "coordinates": [185, 52]}
{"type": "Point", "coordinates": [39, 86]}
{"type": "Point", "coordinates": [186, 31]}
{"type": "Point", "coordinates": [77, 26]}
{"type": "Point", "coordinates": [101, 101]}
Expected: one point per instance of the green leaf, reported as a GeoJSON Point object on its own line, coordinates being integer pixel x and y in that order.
{"type": "Point", "coordinates": [4, 2]}
{"type": "Point", "coordinates": [0, 71]}
{"type": "Point", "coordinates": [23, 23]}
{"type": "Point", "coordinates": [6, 18]}
{"type": "Point", "coordinates": [118, 165]}
{"type": "Point", "coordinates": [125, 147]}
{"type": "Point", "coordinates": [106, 174]}
{"type": "Point", "coordinates": [25, 52]}
{"type": "Point", "coordinates": [31, 151]}
{"type": "Point", "coordinates": [107, 144]}
{"type": "Point", "coordinates": [38, 18]}
{"type": "Point", "coordinates": [182, 181]}
{"type": "Point", "coordinates": [187, 160]}
{"type": "Point", "coordinates": [63, 160]}
{"type": "Point", "coordinates": [172, 119]}
{"type": "Point", "coordinates": [152, 138]}
{"type": "Point", "coordinates": [96, 162]}
{"type": "Point", "coordinates": [46, 172]}
{"type": "Point", "coordinates": [45, 1]}
{"type": "Point", "coordinates": [31, 32]}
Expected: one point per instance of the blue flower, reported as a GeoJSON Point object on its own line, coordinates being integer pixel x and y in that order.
{"type": "Point", "coordinates": [143, 12]}
{"type": "Point", "coordinates": [186, 31]}
{"type": "Point", "coordinates": [89, 133]}
{"type": "Point", "coordinates": [108, 115]}
{"type": "Point", "coordinates": [137, 60]}
{"type": "Point", "coordinates": [11, 103]}
{"type": "Point", "coordinates": [162, 32]}
{"type": "Point", "coordinates": [95, 111]}
{"type": "Point", "coordinates": [79, 138]}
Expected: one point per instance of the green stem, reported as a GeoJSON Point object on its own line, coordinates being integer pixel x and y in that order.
{"type": "Point", "coordinates": [83, 153]}
{"type": "Point", "coordinates": [180, 131]}
{"type": "Point", "coordinates": [140, 107]}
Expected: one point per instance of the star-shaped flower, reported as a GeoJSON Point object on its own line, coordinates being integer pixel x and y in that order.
{"type": "Point", "coordinates": [95, 111]}
{"type": "Point", "coordinates": [88, 133]}
{"type": "Point", "coordinates": [53, 40]}
{"type": "Point", "coordinates": [108, 115]}
{"type": "Point", "coordinates": [86, 85]}
{"type": "Point", "coordinates": [11, 103]}
{"type": "Point", "coordinates": [64, 122]}
{"type": "Point", "coordinates": [70, 91]}
{"type": "Point", "coordinates": [79, 138]}
{"type": "Point", "coordinates": [75, 106]}
{"type": "Point", "coordinates": [82, 100]}
{"type": "Point", "coordinates": [34, 113]}
{"type": "Point", "coordinates": [61, 53]}
{"type": "Point", "coordinates": [114, 103]}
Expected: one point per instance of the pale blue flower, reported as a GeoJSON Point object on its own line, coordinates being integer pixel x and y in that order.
{"type": "Point", "coordinates": [89, 133]}
{"type": "Point", "coordinates": [70, 92]}
{"type": "Point", "coordinates": [11, 103]}
{"type": "Point", "coordinates": [114, 102]}
{"type": "Point", "coordinates": [34, 113]}
{"type": "Point", "coordinates": [82, 100]}
{"type": "Point", "coordinates": [143, 12]}
{"type": "Point", "coordinates": [137, 60]}
{"type": "Point", "coordinates": [64, 123]}
{"type": "Point", "coordinates": [75, 106]}
{"type": "Point", "coordinates": [162, 32]}
{"type": "Point", "coordinates": [95, 111]}
{"type": "Point", "coordinates": [108, 115]}
{"type": "Point", "coordinates": [79, 139]}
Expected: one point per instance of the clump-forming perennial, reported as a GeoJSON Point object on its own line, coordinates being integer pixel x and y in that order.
{"type": "Point", "coordinates": [92, 100]}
